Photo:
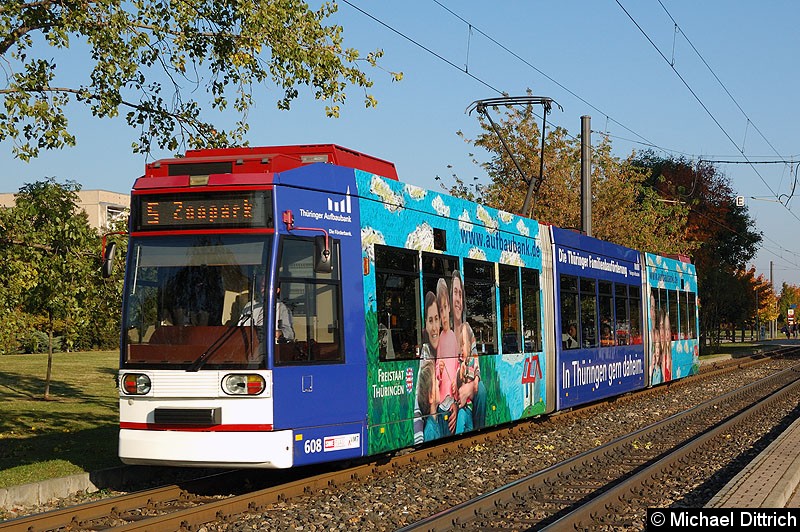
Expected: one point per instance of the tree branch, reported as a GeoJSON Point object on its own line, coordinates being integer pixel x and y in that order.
{"type": "Point", "coordinates": [15, 36]}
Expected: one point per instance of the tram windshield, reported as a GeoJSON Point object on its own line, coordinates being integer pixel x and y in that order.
{"type": "Point", "coordinates": [196, 301]}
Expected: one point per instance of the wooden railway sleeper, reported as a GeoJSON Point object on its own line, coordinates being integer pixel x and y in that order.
{"type": "Point", "coordinates": [641, 492]}
{"type": "Point", "coordinates": [135, 518]}
{"type": "Point", "coordinates": [560, 502]}
{"type": "Point", "coordinates": [256, 507]}
{"type": "Point", "coordinates": [589, 485]}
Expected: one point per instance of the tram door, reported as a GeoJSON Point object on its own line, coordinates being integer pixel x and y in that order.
{"type": "Point", "coordinates": [314, 383]}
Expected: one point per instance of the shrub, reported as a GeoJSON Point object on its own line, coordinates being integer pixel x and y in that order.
{"type": "Point", "coordinates": [36, 342]}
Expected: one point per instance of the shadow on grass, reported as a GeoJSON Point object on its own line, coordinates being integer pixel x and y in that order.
{"type": "Point", "coordinates": [78, 425]}
{"type": "Point", "coordinates": [32, 386]}
{"type": "Point", "coordinates": [89, 449]}
{"type": "Point", "coordinates": [113, 372]}
{"type": "Point", "coordinates": [60, 415]}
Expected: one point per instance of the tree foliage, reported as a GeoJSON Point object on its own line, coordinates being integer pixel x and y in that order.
{"type": "Point", "coordinates": [625, 210]}
{"type": "Point", "coordinates": [50, 274]}
{"type": "Point", "coordinates": [647, 202]}
{"type": "Point", "coordinates": [765, 298]}
{"type": "Point", "coordinates": [790, 295]}
{"type": "Point", "coordinates": [723, 231]}
{"type": "Point", "coordinates": [152, 60]}
{"type": "Point", "coordinates": [746, 300]}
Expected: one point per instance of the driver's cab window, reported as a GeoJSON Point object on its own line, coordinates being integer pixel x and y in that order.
{"type": "Point", "coordinates": [307, 313]}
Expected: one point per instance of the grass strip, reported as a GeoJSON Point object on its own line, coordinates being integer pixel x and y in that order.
{"type": "Point", "coordinates": [74, 431]}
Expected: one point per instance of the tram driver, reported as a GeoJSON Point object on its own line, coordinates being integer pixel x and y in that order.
{"type": "Point", "coordinates": [253, 312]}
{"type": "Point", "coordinates": [284, 331]}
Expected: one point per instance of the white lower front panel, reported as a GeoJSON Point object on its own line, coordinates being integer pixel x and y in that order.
{"type": "Point", "coordinates": [206, 449]}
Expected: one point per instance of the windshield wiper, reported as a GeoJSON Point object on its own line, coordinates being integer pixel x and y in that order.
{"type": "Point", "coordinates": [212, 349]}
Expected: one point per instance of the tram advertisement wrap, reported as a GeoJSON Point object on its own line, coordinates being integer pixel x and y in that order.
{"type": "Point", "coordinates": [590, 375]}
{"type": "Point", "coordinates": [454, 378]}
{"type": "Point", "coordinates": [672, 320]}
{"type": "Point", "coordinates": [599, 309]}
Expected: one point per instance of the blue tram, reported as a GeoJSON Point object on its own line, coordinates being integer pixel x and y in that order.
{"type": "Point", "coordinates": [599, 308]}
{"type": "Point", "coordinates": [298, 304]}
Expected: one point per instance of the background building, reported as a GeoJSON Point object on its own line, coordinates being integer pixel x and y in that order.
{"type": "Point", "coordinates": [102, 206]}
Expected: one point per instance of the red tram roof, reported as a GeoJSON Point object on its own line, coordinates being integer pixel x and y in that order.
{"type": "Point", "coordinates": [266, 159]}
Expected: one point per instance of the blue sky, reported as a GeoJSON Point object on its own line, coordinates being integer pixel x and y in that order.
{"type": "Point", "coordinates": [593, 57]}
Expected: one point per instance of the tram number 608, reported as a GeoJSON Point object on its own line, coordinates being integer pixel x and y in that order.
{"type": "Point", "coordinates": [312, 446]}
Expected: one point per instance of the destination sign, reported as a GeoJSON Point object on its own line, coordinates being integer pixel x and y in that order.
{"type": "Point", "coordinates": [204, 211]}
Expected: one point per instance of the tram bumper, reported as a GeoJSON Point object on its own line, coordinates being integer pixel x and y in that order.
{"type": "Point", "coordinates": [270, 450]}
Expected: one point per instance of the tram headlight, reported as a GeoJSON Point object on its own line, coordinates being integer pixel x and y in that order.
{"type": "Point", "coordinates": [136, 384]}
{"type": "Point", "coordinates": [239, 384]}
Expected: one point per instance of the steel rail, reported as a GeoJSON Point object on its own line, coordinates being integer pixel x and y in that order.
{"type": "Point", "coordinates": [91, 510]}
{"type": "Point", "coordinates": [462, 514]}
{"type": "Point", "coordinates": [601, 507]}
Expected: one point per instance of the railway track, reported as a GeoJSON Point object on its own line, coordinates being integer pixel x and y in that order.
{"type": "Point", "coordinates": [188, 505]}
{"type": "Point", "coordinates": [611, 486]}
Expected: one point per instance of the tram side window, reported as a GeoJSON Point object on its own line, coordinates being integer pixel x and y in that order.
{"type": "Point", "coordinates": [692, 315]}
{"type": "Point", "coordinates": [659, 314]}
{"type": "Point", "coordinates": [606, 307]}
{"type": "Point", "coordinates": [397, 296]}
{"type": "Point", "coordinates": [531, 310]}
{"type": "Point", "coordinates": [312, 303]}
{"type": "Point", "coordinates": [479, 304]}
{"type": "Point", "coordinates": [510, 321]}
{"type": "Point", "coordinates": [674, 322]}
{"type": "Point", "coordinates": [655, 308]}
{"type": "Point", "coordinates": [622, 327]}
{"type": "Point", "coordinates": [588, 299]}
{"type": "Point", "coordinates": [683, 311]}
{"type": "Point", "coordinates": [635, 307]}
{"type": "Point", "coordinates": [570, 326]}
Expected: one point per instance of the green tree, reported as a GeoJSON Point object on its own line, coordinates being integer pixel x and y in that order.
{"type": "Point", "coordinates": [647, 201]}
{"type": "Point", "coordinates": [48, 232]}
{"type": "Point", "coordinates": [150, 59]}
{"type": "Point", "coordinates": [767, 301]}
{"type": "Point", "coordinates": [724, 233]}
{"type": "Point", "coordinates": [17, 276]}
{"type": "Point", "coordinates": [741, 301]}
{"type": "Point", "coordinates": [624, 209]}
{"type": "Point", "coordinates": [789, 298]}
